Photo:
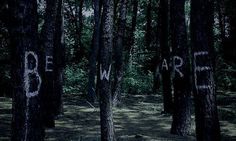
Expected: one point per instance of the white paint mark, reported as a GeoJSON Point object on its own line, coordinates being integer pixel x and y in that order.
{"type": "Point", "coordinates": [205, 68]}
{"type": "Point", "coordinates": [201, 69]}
{"type": "Point", "coordinates": [200, 87]}
{"type": "Point", "coordinates": [29, 71]}
{"type": "Point", "coordinates": [105, 74]}
{"type": "Point", "coordinates": [49, 63]}
{"type": "Point", "coordinates": [177, 66]}
{"type": "Point", "coordinates": [164, 65]}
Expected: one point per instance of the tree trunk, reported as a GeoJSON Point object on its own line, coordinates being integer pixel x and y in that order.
{"type": "Point", "coordinates": [181, 124]}
{"type": "Point", "coordinates": [165, 53]}
{"type": "Point", "coordinates": [118, 51]}
{"type": "Point", "coordinates": [207, 123]}
{"type": "Point", "coordinates": [94, 52]}
{"type": "Point", "coordinates": [148, 35]}
{"type": "Point", "coordinates": [78, 47]}
{"type": "Point", "coordinates": [47, 37]}
{"type": "Point", "coordinates": [131, 38]}
{"type": "Point", "coordinates": [59, 55]}
{"type": "Point", "coordinates": [107, 127]}
{"type": "Point", "coordinates": [26, 79]}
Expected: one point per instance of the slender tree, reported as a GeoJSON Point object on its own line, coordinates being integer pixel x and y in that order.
{"type": "Point", "coordinates": [207, 123]}
{"type": "Point", "coordinates": [165, 53]}
{"type": "Point", "coordinates": [118, 51]}
{"type": "Point", "coordinates": [106, 115]}
{"type": "Point", "coordinates": [59, 57]}
{"type": "Point", "coordinates": [26, 79]}
{"type": "Point", "coordinates": [181, 124]}
{"type": "Point", "coordinates": [94, 52]}
{"type": "Point", "coordinates": [78, 47]}
{"type": "Point", "coordinates": [148, 35]}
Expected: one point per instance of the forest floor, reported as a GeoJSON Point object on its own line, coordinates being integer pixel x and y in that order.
{"type": "Point", "coordinates": [137, 118]}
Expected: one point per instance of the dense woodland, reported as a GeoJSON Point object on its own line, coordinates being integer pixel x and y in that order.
{"type": "Point", "coordinates": [61, 58]}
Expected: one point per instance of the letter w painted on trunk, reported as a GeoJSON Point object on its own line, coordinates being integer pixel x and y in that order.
{"type": "Point", "coordinates": [104, 73]}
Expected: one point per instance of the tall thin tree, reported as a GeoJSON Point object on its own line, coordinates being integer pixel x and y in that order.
{"type": "Point", "coordinates": [165, 54]}
{"type": "Point", "coordinates": [118, 51]}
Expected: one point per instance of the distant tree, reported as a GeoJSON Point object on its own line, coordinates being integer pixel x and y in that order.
{"type": "Point", "coordinates": [27, 120]}
{"type": "Point", "coordinates": [165, 55]}
{"type": "Point", "coordinates": [148, 35]}
{"type": "Point", "coordinates": [207, 123]}
{"type": "Point", "coordinates": [79, 51]}
{"type": "Point", "coordinates": [118, 51]}
{"type": "Point", "coordinates": [94, 52]}
{"type": "Point", "coordinates": [181, 124]}
{"type": "Point", "coordinates": [106, 115]}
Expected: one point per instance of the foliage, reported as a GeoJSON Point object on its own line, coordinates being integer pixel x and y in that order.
{"type": "Point", "coordinates": [75, 78]}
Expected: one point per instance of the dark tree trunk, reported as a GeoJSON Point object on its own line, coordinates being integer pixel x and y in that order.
{"type": "Point", "coordinates": [47, 39]}
{"type": "Point", "coordinates": [207, 123]}
{"type": "Point", "coordinates": [118, 51]}
{"type": "Point", "coordinates": [131, 38]}
{"type": "Point", "coordinates": [27, 119]}
{"type": "Point", "coordinates": [107, 127]}
{"type": "Point", "coordinates": [94, 52]}
{"type": "Point", "coordinates": [59, 55]}
{"type": "Point", "coordinates": [181, 124]}
{"type": "Point", "coordinates": [78, 47]}
{"type": "Point", "coordinates": [165, 53]}
{"type": "Point", "coordinates": [148, 35]}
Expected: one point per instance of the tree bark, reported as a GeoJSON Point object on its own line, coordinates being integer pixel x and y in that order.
{"type": "Point", "coordinates": [207, 123]}
{"type": "Point", "coordinates": [148, 35]}
{"type": "Point", "coordinates": [26, 79]}
{"type": "Point", "coordinates": [106, 115]}
{"type": "Point", "coordinates": [118, 51]}
{"type": "Point", "coordinates": [59, 55]}
{"type": "Point", "coordinates": [78, 47]}
{"type": "Point", "coordinates": [165, 53]}
{"type": "Point", "coordinates": [181, 124]}
{"type": "Point", "coordinates": [94, 52]}
{"type": "Point", "coordinates": [47, 39]}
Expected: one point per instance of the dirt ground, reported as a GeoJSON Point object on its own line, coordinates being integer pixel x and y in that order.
{"type": "Point", "coordinates": [137, 118]}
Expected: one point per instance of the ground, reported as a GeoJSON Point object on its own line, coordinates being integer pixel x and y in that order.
{"type": "Point", "coordinates": [137, 118]}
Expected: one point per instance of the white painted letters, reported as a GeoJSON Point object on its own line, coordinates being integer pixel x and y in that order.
{"type": "Point", "coordinates": [104, 73]}
{"type": "Point", "coordinates": [31, 68]}
{"type": "Point", "coordinates": [177, 66]}
{"type": "Point", "coordinates": [49, 64]}
{"type": "Point", "coordinates": [164, 65]}
{"type": "Point", "coordinates": [200, 69]}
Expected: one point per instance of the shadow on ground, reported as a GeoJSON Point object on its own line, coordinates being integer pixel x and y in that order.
{"type": "Point", "coordinates": [137, 118]}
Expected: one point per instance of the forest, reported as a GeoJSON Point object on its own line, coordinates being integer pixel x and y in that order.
{"type": "Point", "coordinates": [118, 70]}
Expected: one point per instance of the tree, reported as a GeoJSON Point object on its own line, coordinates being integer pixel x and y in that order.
{"type": "Point", "coordinates": [26, 78]}
{"type": "Point", "coordinates": [181, 124]}
{"type": "Point", "coordinates": [59, 57]}
{"type": "Point", "coordinates": [94, 52]}
{"type": "Point", "coordinates": [165, 54]}
{"type": "Point", "coordinates": [47, 39]}
{"type": "Point", "coordinates": [106, 115]}
{"type": "Point", "coordinates": [118, 51]}
{"type": "Point", "coordinates": [148, 35]}
{"type": "Point", "coordinates": [207, 123]}
{"type": "Point", "coordinates": [78, 47]}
